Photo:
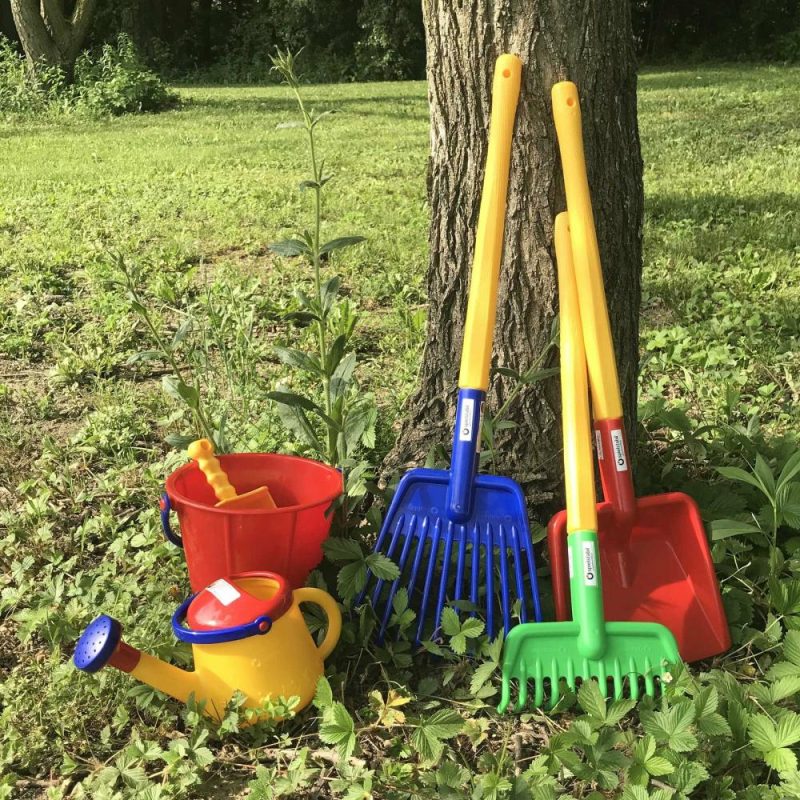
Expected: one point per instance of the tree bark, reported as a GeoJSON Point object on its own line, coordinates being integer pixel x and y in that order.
{"type": "Point", "coordinates": [590, 43]}
{"type": "Point", "coordinates": [49, 35]}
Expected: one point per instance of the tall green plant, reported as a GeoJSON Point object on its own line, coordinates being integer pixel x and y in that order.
{"type": "Point", "coordinates": [344, 422]}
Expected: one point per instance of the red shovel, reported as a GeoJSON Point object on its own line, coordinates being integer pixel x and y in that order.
{"type": "Point", "coordinates": [654, 552]}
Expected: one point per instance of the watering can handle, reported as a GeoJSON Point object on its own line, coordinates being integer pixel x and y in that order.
{"type": "Point", "coordinates": [331, 609]}
{"type": "Point", "coordinates": [165, 507]}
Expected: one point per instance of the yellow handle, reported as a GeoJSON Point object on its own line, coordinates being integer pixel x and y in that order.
{"type": "Point", "coordinates": [476, 352]}
{"type": "Point", "coordinates": [576, 422]}
{"type": "Point", "coordinates": [331, 609]}
{"type": "Point", "coordinates": [586, 255]}
{"type": "Point", "coordinates": [202, 451]}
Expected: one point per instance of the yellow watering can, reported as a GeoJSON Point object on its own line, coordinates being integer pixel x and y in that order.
{"type": "Point", "coordinates": [247, 634]}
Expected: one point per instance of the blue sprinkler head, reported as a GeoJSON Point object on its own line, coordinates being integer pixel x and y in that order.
{"type": "Point", "coordinates": [97, 644]}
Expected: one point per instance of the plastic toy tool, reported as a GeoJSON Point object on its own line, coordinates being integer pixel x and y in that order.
{"type": "Point", "coordinates": [202, 451]}
{"type": "Point", "coordinates": [656, 560]}
{"type": "Point", "coordinates": [623, 656]}
{"type": "Point", "coordinates": [247, 634]}
{"type": "Point", "coordinates": [457, 535]}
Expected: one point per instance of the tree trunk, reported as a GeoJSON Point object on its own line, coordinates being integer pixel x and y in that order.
{"type": "Point", "coordinates": [590, 43]}
{"type": "Point", "coordinates": [49, 36]}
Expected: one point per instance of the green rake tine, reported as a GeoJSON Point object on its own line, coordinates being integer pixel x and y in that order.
{"type": "Point", "coordinates": [602, 678]}
{"type": "Point", "coordinates": [538, 697]}
{"type": "Point", "coordinates": [505, 693]}
{"type": "Point", "coordinates": [570, 676]}
{"type": "Point", "coordinates": [555, 686]}
{"type": "Point", "coordinates": [523, 688]}
{"type": "Point", "coordinates": [649, 684]}
{"type": "Point", "coordinates": [633, 679]}
{"type": "Point", "coordinates": [619, 686]}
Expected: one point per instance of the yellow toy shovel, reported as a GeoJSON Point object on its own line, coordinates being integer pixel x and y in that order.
{"type": "Point", "coordinates": [202, 451]}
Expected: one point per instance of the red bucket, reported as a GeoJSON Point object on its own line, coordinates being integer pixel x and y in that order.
{"type": "Point", "coordinates": [219, 541]}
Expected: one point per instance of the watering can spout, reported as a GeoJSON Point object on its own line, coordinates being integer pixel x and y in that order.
{"type": "Point", "coordinates": [101, 645]}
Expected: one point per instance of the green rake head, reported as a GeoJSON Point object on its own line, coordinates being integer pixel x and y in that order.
{"type": "Point", "coordinates": [625, 657]}
{"type": "Point", "coordinates": [542, 657]}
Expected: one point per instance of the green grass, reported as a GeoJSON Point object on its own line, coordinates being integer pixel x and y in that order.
{"type": "Point", "coordinates": [722, 239]}
{"type": "Point", "coordinates": [193, 196]}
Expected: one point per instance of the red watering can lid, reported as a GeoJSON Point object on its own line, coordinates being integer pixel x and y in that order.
{"type": "Point", "coordinates": [239, 601]}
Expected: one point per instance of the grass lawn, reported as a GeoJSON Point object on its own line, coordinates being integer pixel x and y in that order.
{"type": "Point", "coordinates": [189, 200]}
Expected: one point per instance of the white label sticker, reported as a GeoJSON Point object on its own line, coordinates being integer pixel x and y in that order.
{"type": "Point", "coordinates": [224, 591]}
{"type": "Point", "coordinates": [569, 557]}
{"type": "Point", "coordinates": [465, 423]}
{"type": "Point", "coordinates": [618, 443]}
{"type": "Point", "coordinates": [598, 443]}
{"type": "Point", "coordinates": [589, 564]}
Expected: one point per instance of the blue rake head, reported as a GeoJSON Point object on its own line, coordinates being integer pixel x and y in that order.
{"type": "Point", "coordinates": [487, 559]}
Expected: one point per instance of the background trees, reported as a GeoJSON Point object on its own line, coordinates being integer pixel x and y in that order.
{"type": "Point", "coordinates": [52, 32]}
{"type": "Point", "coordinates": [384, 39]}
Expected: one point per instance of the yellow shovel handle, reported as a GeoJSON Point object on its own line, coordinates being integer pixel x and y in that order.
{"type": "Point", "coordinates": [202, 451]}
{"type": "Point", "coordinates": [588, 273]}
{"type": "Point", "coordinates": [328, 605]}
{"type": "Point", "coordinates": [576, 422]}
{"type": "Point", "coordinates": [481, 306]}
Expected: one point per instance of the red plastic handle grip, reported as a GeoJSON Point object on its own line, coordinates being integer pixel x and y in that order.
{"type": "Point", "coordinates": [615, 468]}
{"type": "Point", "coordinates": [125, 657]}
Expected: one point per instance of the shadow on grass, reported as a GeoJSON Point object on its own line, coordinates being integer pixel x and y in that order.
{"type": "Point", "coordinates": [703, 76]}
{"type": "Point", "coordinates": [394, 106]}
{"type": "Point", "coordinates": [661, 207]}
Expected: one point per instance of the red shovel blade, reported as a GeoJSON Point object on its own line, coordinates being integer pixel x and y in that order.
{"type": "Point", "coordinates": [672, 581]}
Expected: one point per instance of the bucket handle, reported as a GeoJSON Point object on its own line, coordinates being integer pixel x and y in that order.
{"type": "Point", "coordinates": [165, 506]}
{"type": "Point", "coordinates": [329, 606]}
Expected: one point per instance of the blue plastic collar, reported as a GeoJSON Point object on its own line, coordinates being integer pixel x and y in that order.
{"type": "Point", "coordinates": [466, 455]}
{"type": "Point", "coordinates": [258, 627]}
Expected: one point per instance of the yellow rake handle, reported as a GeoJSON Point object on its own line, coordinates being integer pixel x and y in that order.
{"type": "Point", "coordinates": [481, 306]}
{"type": "Point", "coordinates": [575, 419]}
{"type": "Point", "coordinates": [588, 273]}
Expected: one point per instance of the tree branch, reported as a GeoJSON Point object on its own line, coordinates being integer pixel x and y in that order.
{"type": "Point", "coordinates": [57, 24]}
{"type": "Point", "coordinates": [81, 19]}
{"type": "Point", "coordinates": [33, 33]}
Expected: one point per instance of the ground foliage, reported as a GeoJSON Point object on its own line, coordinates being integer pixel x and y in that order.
{"type": "Point", "coordinates": [111, 80]}
{"type": "Point", "coordinates": [181, 207]}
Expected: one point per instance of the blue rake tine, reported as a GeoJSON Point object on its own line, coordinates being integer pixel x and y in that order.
{"type": "Point", "coordinates": [376, 593]}
{"type": "Point", "coordinates": [423, 537]}
{"type": "Point", "coordinates": [426, 589]}
{"type": "Point", "coordinates": [381, 538]}
{"type": "Point", "coordinates": [476, 566]}
{"type": "Point", "coordinates": [448, 549]}
{"type": "Point", "coordinates": [489, 582]}
{"type": "Point", "coordinates": [537, 606]}
{"type": "Point", "coordinates": [504, 578]}
{"type": "Point", "coordinates": [520, 581]}
{"type": "Point", "coordinates": [396, 582]}
{"type": "Point", "coordinates": [462, 557]}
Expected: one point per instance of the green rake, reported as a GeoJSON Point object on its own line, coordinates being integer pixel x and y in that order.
{"type": "Point", "coordinates": [625, 657]}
